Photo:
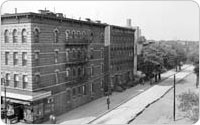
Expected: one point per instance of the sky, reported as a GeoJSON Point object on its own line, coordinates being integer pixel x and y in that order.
{"type": "Point", "coordinates": [158, 20]}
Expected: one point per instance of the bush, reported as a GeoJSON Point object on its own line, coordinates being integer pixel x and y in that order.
{"type": "Point", "coordinates": [189, 103]}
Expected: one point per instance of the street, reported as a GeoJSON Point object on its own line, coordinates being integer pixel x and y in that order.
{"type": "Point", "coordinates": [135, 106]}
{"type": "Point", "coordinates": [88, 112]}
{"type": "Point", "coordinates": [163, 109]}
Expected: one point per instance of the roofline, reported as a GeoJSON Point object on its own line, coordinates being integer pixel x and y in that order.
{"type": "Point", "coordinates": [50, 17]}
{"type": "Point", "coordinates": [123, 27]}
{"type": "Point", "coordinates": [61, 18]}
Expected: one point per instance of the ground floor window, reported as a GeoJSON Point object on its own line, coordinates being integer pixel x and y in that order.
{"type": "Point", "coordinates": [28, 114]}
{"type": "Point", "coordinates": [49, 108]}
{"type": "Point", "coordinates": [84, 89]}
{"type": "Point", "coordinates": [38, 111]}
{"type": "Point", "coordinates": [74, 91]}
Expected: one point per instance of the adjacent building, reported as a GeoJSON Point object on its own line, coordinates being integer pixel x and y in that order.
{"type": "Point", "coordinates": [53, 64]}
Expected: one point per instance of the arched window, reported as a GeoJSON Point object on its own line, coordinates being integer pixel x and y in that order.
{"type": "Point", "coordinates": [36, 36]}
{"type": "Point", "coordinates": [37, 78]}
{"type": "Point", "coordinates": [57, 76]}
{"type": "Point", "coordinates": [67, 55]}
{"type": "Point", "coordinates": [74, 54]}
{"type": "Point", "coordinates": [73, 34]}
{"type": "Point", "coordinates": [67, 72]}
{"type": "Point", "coordinates": [56, 36]}
{"type": "Point", "coordinates": [79, 54]}
{"type": "Point", "coordinates": [83, 34]}
{"type": "Point", "coordinates": [14, 36]}
{"type": "Point", "coordinates": [6, 36]}
{"type": "Point", "coordinates": [92, 70]}
{"type": "Point", "coordinates": [24, 36]}
{"type": "Point", "coordinates": [67, 35]}
{"type": "Point", "coordinates": [74, 72]}
{"type": "Point", "coordinates": [78, 34]}
{"type": "Point", "coordinates": [79, 71]}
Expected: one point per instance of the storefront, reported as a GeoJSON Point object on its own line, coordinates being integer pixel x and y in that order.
{"type": "Point", "coordinates": [31, 107]}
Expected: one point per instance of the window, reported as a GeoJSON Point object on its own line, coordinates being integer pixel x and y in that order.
{"type": "Point", "coordinates": [102, 68]}
{"type": "Point", "coordinates": [74, 72]}
{"type": "Point", "coordinates": [84, 90]}
{"type": "Point", "coordinates": [37, 79]}
{"type": "Point", "coordinates": [38, 111]}
{"type": "Point", "coordinates": [102, 53]}
{"type": "Point", "coordinates": [91, 54]}
{"type": "Point", "coordinates": [25, 81]}
{"type": "Point", "coordinates": [67, 55]}
{"type": "Point", "coordinates": [15, 58]}
{"type": "Point", "coordinates": [16, 80]}
{"type": "Point", "coordinates": [78, 34]}
{"type": "Point", "coordinates": [79, 89]}
{"type": "Point", "coordinates": [73, 34]}
{"type": "Point", "coordinates": [92, 34]}
{"type": "Point", "coordinates": [74, 91]}
{"type": "Point", "coordinates": [74, 54]}
{"type": "Point", "coordinates": [6, 58]}
{"type": "Point", "coordinates": [79, 54]}
{"type": "Point", "coordinates": [102, 81]}
{"type": "Point", "coordinates": [36, 36]}
{"type": "Point", "coordinates": [92, 87]}
{"type": "Point", "coordinates": [57, 76]}
{"type": "Point", "coordinates": [14, 36]}
{"type": "Point", "coordinates": [36, 56]}
{"type": "Point", "coordinates": [24, 58]}
{"type": "Point", "coordinates": [24, 36]}
{"type": "Point", "coordinates": [67, 35]}
{"type": "Point", "coordinates": [56, 56]}
{"type": "Point", "coordinates": [6, 36]}
{"type": "Point", "coordinates": [56, 36]}
{"type": "Point", "coordinates": [79, 71]}
{"type": "Point", "coordinates": [7, 79]}
{"type": "Point", "coordinates": [67, 72]}
{"type": "Point", "coordinates": [83, 34]}
{"type": "Point", "coordinates": [92, 70]}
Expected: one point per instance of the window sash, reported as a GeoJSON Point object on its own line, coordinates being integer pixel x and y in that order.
{"type": "Point", "coordinates": [24, 55]}
{"type": "Point", "coordinates": [15, 55]}
{"type": "Point", "coordinates": [36, 55]}
{"type": "Point", "coordinates": [16, 78]}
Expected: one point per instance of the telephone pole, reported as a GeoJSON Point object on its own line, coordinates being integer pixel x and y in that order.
{"type": "Point", "coordinates": [174, 106]}
{"type": "Point", "coordinates": [5, 103]}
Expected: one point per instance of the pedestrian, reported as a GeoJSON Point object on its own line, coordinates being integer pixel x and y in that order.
{"type": "Point", "coordinates": [108, 102]}
{"type": "Point", "coordinates": [52, 119]}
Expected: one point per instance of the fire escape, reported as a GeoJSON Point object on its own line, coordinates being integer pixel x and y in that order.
{"type": "Point", "coordinates": [80, 60]}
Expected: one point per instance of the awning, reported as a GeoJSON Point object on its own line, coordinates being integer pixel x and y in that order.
{"type": "Point", "coordinates": [26, 95]}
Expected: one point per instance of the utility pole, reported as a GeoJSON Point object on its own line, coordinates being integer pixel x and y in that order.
{"type": "Point", "coordinates": [174, 106]}
{"type": "Point", "coordinates": [5, 103]}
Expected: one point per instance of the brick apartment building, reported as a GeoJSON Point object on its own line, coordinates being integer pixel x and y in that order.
{"type": "Point", "coordinates": [53, 64]}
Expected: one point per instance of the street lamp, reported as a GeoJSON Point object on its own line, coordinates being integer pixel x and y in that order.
{"type": "Point", "coordinates": [5, 106]}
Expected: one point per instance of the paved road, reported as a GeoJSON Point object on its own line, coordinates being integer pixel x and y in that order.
{"type": "Point", "coordinates": [129, 110]}
{"type": "Point", "coordinates": [162, 110]}
{"type": "Point", "coordinates": [90, 111]}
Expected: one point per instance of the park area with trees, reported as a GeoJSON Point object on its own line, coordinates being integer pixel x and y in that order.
{"type": "Point", "coordinates": [158, 57]}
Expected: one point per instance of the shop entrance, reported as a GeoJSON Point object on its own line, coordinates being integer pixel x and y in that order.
{"type": "Point", "coordinates": [19, 111]}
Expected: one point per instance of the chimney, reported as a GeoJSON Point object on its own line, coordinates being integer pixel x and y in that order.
{"type": "Point", "coordinates": [128, 23]}
{"type": "Point", "coordinates": [15, 10]}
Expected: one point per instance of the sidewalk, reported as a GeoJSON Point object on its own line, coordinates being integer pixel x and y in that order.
{"type": "Point", "coordinates": [136, 105]}
{"type": "Point", "coordinates": [90, 111]}
{"type": "Point", "coordinates": [163, 109]}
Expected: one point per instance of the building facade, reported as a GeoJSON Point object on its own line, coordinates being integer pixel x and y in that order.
{"type": "Point", "coordinates": [53, 64]}
{"type": "Point", "coordinates": [121, 56]}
